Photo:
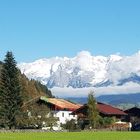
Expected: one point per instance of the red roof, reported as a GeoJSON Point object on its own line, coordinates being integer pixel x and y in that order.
{"type": "Point", "coordinates": [103, 108]}
{"type": "Point", "coordinates": [109, 110]}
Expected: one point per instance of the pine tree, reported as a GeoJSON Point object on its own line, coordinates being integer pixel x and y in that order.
{"type": "Point", "coordinates": [10, 93]}
{"type": "Point", "coordinates": [93, 113]}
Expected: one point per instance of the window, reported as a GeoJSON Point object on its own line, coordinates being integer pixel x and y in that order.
{"type": "Point", "coordinates": [62, 114]}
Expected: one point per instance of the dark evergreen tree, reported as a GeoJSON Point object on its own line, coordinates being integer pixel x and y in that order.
{"type": "Point", "coordinates": [93, 113]}
{"type": "Point", "coordinates": [10, 93]}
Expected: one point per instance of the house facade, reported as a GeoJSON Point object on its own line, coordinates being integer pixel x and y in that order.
{"type": "Point", "coordinates": [64, 116]}
{"type": "Point", "coordinates": [61, 109]}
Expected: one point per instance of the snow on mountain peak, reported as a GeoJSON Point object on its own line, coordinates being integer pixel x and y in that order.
{"type": "Point", "coordinates": [83, 70]}
{"type": "Point", "coordinates": [115, 57]}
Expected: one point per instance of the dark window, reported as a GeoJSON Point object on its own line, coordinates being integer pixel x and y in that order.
{"type": "Point", "coordinates": [62, 114]}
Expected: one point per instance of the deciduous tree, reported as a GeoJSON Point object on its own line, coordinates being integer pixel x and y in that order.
{"type": "Point", "coordinates": [93, 113]}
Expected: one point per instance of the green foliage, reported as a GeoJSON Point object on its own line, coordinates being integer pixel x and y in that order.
{"type": "Point", "coordinates": [36, 116]}
{"type": "Point", "coordinates": [13, 84]}
{"type": "Point", "coordinates": [10, 92]}
{"type": "Point", "coordinates": [93, 113]}
{"type": "Point", "coordinates": [30, 88]}
{"type": "Point", "coordinates": [106, 121]}
{"type": "Point", "coordinates": [70, 125]}
{"type": "Point", "coordinates": [35, 121]}
{"type": "Point", "coordinates": [95, 120]}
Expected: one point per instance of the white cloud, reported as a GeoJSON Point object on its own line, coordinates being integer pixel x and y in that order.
{"type": "Point", "coordinates": [84, 60]}
{"type": "Point", "coordinates": [124, 68]}
{"type": "Point", "coordinates": [83, 92]}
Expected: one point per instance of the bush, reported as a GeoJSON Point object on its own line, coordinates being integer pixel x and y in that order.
{"type": "Point", "coordinates": [70, 125]}
{"type": "Point", "coordinates": [106, 121]}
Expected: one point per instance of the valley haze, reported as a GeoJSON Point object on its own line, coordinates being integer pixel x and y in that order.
{"type": "Point", "coordinates": [77, 76]}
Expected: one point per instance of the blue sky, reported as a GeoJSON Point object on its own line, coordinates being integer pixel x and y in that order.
{"type": "Point", "coordinates": [34, 29]}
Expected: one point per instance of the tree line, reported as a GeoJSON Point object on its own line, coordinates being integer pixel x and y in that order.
{"type": "Point", "coordinates": [15, 90]}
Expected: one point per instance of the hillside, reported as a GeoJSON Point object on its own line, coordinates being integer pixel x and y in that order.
{"type": "Point", "coordinates": [123, 101]}
{"type": "Point", "coordinates": [31, 88]}
{"type": "Point", "coordinates": [120, 99]}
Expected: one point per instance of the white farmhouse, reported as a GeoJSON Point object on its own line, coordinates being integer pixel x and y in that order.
{"type": "Point", "coordinates": [61, 109]}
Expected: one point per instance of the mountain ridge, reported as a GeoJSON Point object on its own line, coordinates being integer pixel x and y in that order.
{"type": "Point", "coordinates": [122, 101]}
{"type": "Point", "coordinates": [84, 70]}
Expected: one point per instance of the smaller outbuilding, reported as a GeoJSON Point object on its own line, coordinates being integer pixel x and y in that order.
{"type": "Point", "coordinates": [134, 117]}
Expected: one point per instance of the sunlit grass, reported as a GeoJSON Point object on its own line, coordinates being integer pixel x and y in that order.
{"type": "Point", "coordinates": [71, 136]}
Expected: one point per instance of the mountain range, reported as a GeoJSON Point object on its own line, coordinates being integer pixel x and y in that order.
{"type": "Point", "coordinates": [111, 99]}
{"type": "Point", "coordinates": [122, 101]}
{"type": "Point", "coordinates": [84, 70]}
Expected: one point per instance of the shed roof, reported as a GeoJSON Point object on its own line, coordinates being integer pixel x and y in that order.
{"type": "Point", "coordinates": [134, 111]}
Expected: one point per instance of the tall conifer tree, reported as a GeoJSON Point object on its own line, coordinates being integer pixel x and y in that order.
{"type": "Point", "coordinates": [93, 113]}
{"type": "Point", "coordinates": [10, 92]}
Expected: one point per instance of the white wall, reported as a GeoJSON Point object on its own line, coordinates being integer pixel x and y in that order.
{"type": "Point", "coordinates": [64, 116]}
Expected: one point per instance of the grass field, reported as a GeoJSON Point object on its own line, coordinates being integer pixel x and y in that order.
{"type": "Point", "coordinates": [71, 136]}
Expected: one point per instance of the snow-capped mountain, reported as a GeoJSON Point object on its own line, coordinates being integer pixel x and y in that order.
{"type": "Point", "coordinates": [84, 70]}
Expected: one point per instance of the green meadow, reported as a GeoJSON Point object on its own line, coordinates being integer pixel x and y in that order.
{"type": "Point", "coordinates": [70, 136]}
